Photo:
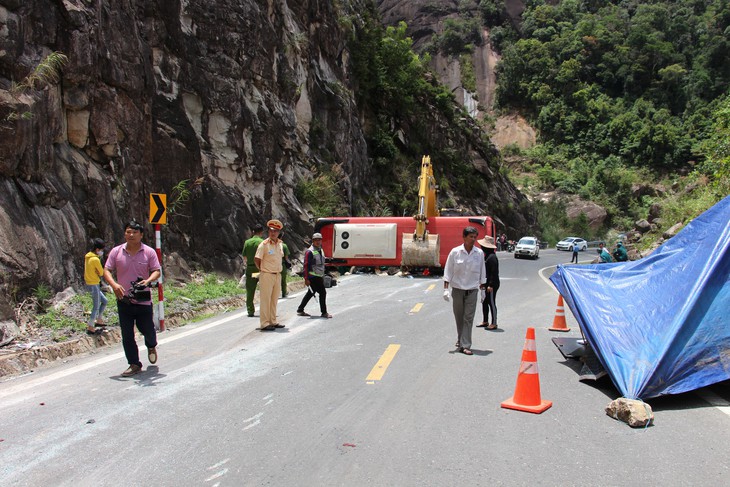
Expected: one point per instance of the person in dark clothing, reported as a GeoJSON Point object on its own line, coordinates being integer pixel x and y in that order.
{"type": "Point", "coordinates": [576, 249]}
{"type": "Point", "coordinates": [620, 254]}
{"type": "Point", "coordinates": [489, 304]}
{"type": "Point", "coordinates": [314, 260]}
{"type": "Point", "coordinates": [249, 252]}
{"type": "Point", "coordinates": [285, 266]}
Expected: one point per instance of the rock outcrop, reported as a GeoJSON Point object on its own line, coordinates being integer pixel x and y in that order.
{"type": "Point", "coordinates": [222, 96]}
{"type": "Point", "coordinates": [594, 213]}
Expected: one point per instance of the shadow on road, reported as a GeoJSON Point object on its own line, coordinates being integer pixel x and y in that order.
{"type": "Point", "coordinates": [146, 378]}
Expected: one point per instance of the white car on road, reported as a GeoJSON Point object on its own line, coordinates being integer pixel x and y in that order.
{"type": "Point", "coordinates": [528, 247]}
{"type": "Point", "coordinates": [567, 243]}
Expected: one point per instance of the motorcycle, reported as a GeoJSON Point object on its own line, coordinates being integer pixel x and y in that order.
{"type": "Point", "coordinates": [510, 246]}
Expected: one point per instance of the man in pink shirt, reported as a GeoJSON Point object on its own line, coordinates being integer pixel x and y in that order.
{"type": "Point", "coordinates": [134, 262]}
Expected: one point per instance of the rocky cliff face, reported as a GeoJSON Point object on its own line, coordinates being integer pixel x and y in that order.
{"type": "Point", "coordinates": [426, 18]}
{"type": "Point", "coordinates": [222, 94]}
{"type": "Point", "coordinates": [155, 92]}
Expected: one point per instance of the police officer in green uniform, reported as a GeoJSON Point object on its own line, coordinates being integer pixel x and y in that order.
{"type": "Point", "coordinates": [314, 277]}
{"type": "Point", "coordinates": [285, 265]}
{"type": "Point", "coordinates": [249, 251]}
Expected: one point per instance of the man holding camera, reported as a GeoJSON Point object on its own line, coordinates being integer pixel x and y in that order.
{"type": "Point", "coordinates": [131, 262]}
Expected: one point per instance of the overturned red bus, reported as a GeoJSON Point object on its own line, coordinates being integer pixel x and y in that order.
{"type": "Point", "coordinates": [379, 241]}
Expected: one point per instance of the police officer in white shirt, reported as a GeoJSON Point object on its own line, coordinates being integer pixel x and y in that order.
{"type": "Point", "coordinates": [466, 275]}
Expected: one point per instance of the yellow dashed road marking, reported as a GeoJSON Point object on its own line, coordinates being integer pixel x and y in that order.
{"type": "Point", "coordinates": [382, 365]}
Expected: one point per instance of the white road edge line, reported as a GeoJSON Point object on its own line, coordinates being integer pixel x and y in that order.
{"type": "Point", "coordinates": [116, 356]}
{"type": "Point", "coordinates": [547, 279]}
{"type": "Point", "coordinates": [714, 400]}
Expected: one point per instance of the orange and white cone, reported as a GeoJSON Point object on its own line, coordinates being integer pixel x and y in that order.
{"type": "Point", "coordinates": [527, 392]}
{"type": "Point", "coordinates": [559, 323]}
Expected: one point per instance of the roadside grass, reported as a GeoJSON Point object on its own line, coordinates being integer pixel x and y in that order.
{"type": "Point", "coordinates": [189, 297]}
{"type": "Point", "coordinates": [202, 288]}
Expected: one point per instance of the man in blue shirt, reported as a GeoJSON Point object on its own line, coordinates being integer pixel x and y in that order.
{"type": "Point", "coordinates": [576, 249]}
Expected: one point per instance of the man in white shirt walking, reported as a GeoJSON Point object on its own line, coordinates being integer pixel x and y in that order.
{"type": "Point", "coordinates": [466, 275]}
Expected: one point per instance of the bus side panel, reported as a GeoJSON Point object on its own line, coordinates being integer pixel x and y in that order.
{"type": "Point", "coordinates": [365, 241]}
{"type": "Point", "coordinates": [448, 228]}
{"type": "Point", "coordinates": [381, 253]}
{"type": "Point", "coordinates": [451, 228]}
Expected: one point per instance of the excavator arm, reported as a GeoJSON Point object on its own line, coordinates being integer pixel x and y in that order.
{"type": "Point", "coordinates": [422, 249]}
{"type": "Point", "coordinates": [426, 199]}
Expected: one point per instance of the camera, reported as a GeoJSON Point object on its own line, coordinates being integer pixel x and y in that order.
{"type": "Point", "coordinates": [138, 292]}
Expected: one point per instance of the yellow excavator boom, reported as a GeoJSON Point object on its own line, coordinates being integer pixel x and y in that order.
{"type": "Point", "coordinates": [422, 249]}
{"type": "Point", "coordinates": [426, 198]}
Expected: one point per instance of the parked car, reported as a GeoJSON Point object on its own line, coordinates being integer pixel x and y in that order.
{"type": "Point", "coordinates": [528, 246]}
{"type": "Point", "coordinates": [567, 243]}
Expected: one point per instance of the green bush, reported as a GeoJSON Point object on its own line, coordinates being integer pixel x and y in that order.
{"type": "Point", "coordinates": [459, 36]}
{"type": "Point", "coordinates": [322, 194]}
{"type": "Point", "coordinates": [468, 76]}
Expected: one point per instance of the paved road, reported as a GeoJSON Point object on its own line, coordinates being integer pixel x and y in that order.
{"type": "Point", "coordinates": [228, 405]}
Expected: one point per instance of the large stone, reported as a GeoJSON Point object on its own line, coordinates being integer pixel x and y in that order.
{"type": "Point", "coordinates": [175, 267]}
{"type": "Point", "coordinates": [77, 127]}
{"type": "Point", "coordinates": [594, 213]}
{"type": "Point", "coordinates": [8, 331]}
{"type": "Point", "coordinates": [636, 414]}
{"type": "Point", "coordinates": [655, 211]}
{"type": "Point", "coordinates": [643, 226]}
{"type": "Point", "coordinates": [673, 230]}
{"type": "Point", "coordinates": [62, 299]}
{"type": "Point", "coordinates": [513, 130]}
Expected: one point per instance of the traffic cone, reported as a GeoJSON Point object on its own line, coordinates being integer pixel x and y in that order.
{"type": "Point", "coordinates": [527, 392]}
{"type": "Point", "coordinates": [559, 323]}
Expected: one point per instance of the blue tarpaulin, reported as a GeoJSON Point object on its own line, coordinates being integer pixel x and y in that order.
{"type": "Point", "coordinates": [660, 325]}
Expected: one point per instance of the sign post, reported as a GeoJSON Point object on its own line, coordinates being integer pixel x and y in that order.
{"type": "Point", "coordinates": [158, 216]}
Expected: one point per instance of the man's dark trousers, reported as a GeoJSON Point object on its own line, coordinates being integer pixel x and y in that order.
{"type": "Point", "coordinates": [251, 283]}
{"type": "Point", "coordinates": [141, 314]}
{"type": "Point", "coordinates": [316, 284]}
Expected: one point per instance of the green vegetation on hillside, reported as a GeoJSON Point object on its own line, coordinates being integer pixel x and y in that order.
{"type": "Point", "coordinates": [623, 93]}
{"type": "Point", "coordinates": [409, 113]}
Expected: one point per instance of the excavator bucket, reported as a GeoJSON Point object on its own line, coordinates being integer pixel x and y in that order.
{"type": "Point", "coordinates": [420, 253]}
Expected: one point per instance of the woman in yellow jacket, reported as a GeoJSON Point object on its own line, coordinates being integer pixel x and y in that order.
{"type": "Point", "coordinates": [92, 275]}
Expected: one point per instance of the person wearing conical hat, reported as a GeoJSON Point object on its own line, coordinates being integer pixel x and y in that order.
{"type": "Point", "coordinates": [269, 257]}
